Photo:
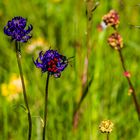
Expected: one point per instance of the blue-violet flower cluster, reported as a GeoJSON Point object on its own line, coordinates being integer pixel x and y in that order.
{"type": "Point", "coordinates": [16, 28]}
{"type": "Point", "coordinates": [51, 61]}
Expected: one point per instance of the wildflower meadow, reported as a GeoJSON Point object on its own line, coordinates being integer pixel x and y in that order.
{"type": "Point", "coordinates": [69, 70]}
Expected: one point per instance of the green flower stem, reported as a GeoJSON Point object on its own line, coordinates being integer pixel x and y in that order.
{"type": "Point", "coordinates": [45, 107]}
{"type": "Point", "coordinates": [5, 120]}
{"type": "Point", "coordinates": [90, 8]}
{"type": "Point", "coordinates": [18, 55]}
{"type": "Point", "coordinates": [107, 138]}
{"type": "Point", "coordinates": [89, 12]}
{"type": "Point", "coordinates": [130, 84]}
{"type": "Point", "coordinates": [85, 92]}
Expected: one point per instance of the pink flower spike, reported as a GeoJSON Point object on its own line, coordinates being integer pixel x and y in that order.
{"type": "Point", "coordinates": [127, 74]}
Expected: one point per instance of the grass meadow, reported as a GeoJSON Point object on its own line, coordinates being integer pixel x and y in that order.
{"type": "Point", "coordinates": [62, 25]}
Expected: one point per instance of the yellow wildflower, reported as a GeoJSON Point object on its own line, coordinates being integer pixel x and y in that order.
{"type": "Point", "coordinates": [106, 126]}
{"type": "Point", "coordinates": [12, 89]}
{"type": "Point", "coordinates": [56, 1]}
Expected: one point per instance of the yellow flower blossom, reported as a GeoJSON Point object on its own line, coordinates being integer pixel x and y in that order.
{"type": "Point", "coordinates": [12, 89]}
{"type": "Point", "coordinates": [56, 1]}
{"type": "Point", "coordinates": [106, 126]}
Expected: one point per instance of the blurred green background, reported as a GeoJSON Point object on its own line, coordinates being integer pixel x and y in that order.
{"type": "Point", "coordinates": [61, 24]}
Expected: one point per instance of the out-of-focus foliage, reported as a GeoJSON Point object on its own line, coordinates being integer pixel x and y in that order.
{"type": "Point", "coordinates": [61, 25]}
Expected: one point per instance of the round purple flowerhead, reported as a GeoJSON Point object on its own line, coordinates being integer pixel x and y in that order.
{"type": "Point", "coordinates": [16, 28]}
{"type": "Point", "coordinates": [51, 61]}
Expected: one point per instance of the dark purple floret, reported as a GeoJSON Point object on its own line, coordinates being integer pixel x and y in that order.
{"type": "Point", "coordinates": [51, 61]}
{"type": "Point", "coordinates": [16, 28]}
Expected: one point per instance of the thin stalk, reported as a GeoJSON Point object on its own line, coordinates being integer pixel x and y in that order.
{"type": "Point", "coordinates": [83, 95]}
{"type": "Point", "coordinates": [130, 84]}
{"type": "Point", "coordinates": [90, 8]}
{"type": "Point", "coordinates": [45, 107]}
{"type": "Point", "coordinates": [107, 138]}
{"type": "Point", "coordinates": [5, 120]}
{"type": "Point", "coordinates": [76, 111]}
{"type": "Point", "coordinates": [18, 55]}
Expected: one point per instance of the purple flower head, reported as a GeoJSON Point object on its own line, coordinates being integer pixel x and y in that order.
{"type": "Point", "coordinates": [16, 28]}
{"type": "Point", "coordinates": [51, 61]}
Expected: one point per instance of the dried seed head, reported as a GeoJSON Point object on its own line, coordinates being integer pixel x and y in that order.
{"type": "Point", "coordinates": [115, 41]}
{"type": "Point", "coordinates": [111, 19]}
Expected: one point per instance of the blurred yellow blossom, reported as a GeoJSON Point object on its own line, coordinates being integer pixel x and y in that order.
{"type": "Point", "coordinates": [56, 1]}
{"type": "Point", "coordinates": [12, 89]}
{"type": "Point", "coordinates": [37, 44]}
{"type": "Point", "coordinates": [106, 126]}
